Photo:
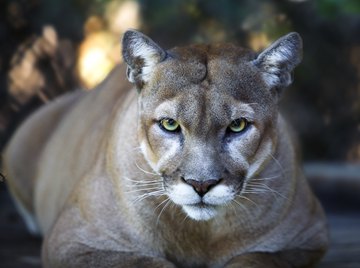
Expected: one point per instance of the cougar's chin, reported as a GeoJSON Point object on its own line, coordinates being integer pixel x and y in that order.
{"type": "Point", "coordinates": [200, 208]}
{"type": "Point", "coordinates": [200, 212]}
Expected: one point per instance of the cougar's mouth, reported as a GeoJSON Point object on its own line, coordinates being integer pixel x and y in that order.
{"type": "Point", "coordinates": [200, 207]}
{"type": "Point", "coordinates": [201, 211]}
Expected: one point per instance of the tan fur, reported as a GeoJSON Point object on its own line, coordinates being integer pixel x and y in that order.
{"type": "Point", "coordinates": [109, 187]}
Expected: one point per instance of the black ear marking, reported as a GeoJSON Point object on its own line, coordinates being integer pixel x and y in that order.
{"type": "Point", "coordinates": [141, 54]}
{"type": "Point", "coordinates": [278, 61]}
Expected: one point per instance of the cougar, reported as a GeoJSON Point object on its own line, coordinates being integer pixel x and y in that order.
{"type": "Point", "coordinates": [194, 168]}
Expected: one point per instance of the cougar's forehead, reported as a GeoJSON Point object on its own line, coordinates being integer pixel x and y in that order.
{"type": "Point", "coordinates": [200, 76]}
{"type": "Point", "coordinates": [193, 64]}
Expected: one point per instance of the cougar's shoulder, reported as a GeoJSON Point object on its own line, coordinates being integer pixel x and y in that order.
{"type": "Point", "coordinates": [28, 143]}
{"type": "Point", "coordinates": [40, 154]}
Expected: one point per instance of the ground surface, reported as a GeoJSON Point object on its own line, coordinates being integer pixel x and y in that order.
{"type": "Point", "coordinates": [19, 250]}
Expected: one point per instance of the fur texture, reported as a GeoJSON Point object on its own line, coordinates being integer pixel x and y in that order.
{"type": "Point", "coordinates": [109, 184]}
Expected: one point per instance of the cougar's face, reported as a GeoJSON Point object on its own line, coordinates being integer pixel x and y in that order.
{"type": "Point", "coordinates": [206, 126]}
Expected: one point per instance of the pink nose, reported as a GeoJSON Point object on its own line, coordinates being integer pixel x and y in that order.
{"type": "Point", "coordinates": [202, 187]}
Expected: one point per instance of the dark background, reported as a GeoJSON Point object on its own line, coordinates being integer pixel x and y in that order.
{"type": "Point", "coordinates": [44, 42]}
{"type": "Point", "coordinates": [323, 104]}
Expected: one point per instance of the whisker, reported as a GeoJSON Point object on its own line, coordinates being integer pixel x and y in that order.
{"type": "Point", "coordinates": [142, 181]}
{"type": "Point", "coordinates": [231, 205]}
{"type": "Point", "coordinates": [265, 187]}
{"type": "Point", "coordinates": [150, 194]}
{"type": "Point", "coordinates": [141, 197]}
{"type": "Point", "coordinates": [140, 190]}
{"type": "Point", "coordinates": [145, 171]}
{"type": "Point", "coordinates": [282, 170]}
{"type": "Point", "coordinates": [185, 218]}
{"type": "Point", "coordinates": [167, 199]}
{"type": "Point", "coordinates": [240, 205]}
{"type": "Point", "coordinates": [261, 185]}
{"type": "Point", "coordinates": [255, 191]}
{"type": "Point", "coordinates": [145, 186]}
{"type": "Point", "coordinates": [158, 184]}
{"type": "Point", "coordinates": [265, 178]}
{"type": "Point", "coordinates": [162, 210]}
{"type": "Point", "coordinates": [248, 199]}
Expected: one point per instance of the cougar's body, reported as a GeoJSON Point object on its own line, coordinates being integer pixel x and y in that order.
{"type": "Point", "coordinates": [196, 169]}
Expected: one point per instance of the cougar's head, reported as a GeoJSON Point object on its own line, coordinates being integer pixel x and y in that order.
{"type": "Point", "coordinates": [207, 115]}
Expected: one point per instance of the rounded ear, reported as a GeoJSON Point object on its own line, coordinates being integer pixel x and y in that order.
{"type": "Point", "coordinates": [141, 54]}
{"type": "Point", "coordinates": [279, 60]}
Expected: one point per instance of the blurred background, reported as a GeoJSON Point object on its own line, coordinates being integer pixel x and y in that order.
{"type": "Point", "coordinates": [50, 47]}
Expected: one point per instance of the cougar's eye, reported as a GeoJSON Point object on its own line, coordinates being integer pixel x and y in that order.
{"type": "Point", "coordinates": [238, 125]}
{"type": "Point", "coordinates": [169, 124]}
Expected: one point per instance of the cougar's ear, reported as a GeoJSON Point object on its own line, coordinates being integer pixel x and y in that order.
{"type": "Point", "coordinates": [279, 60]}
{"type": "Point", "coordinates": [141, 54]}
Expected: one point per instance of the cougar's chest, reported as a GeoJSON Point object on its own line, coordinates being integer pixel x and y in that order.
{"type": "Point", "coordinates": [205, 244]}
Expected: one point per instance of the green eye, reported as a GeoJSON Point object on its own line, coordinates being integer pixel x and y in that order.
{"type": "Point", "coordinates": [238, 125]}
{"type": "Point", "coordinates": [169, 124]}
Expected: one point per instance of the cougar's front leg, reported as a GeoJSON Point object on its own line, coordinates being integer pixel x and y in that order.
{"type": "Point", "coordinates": [81, 257]}
{"type": "Point", "coordinates": [79, 243]}
{"type": "Point", "coordinates": [66, 252]}
{"type": "Point", "coordinates": [286, 259]}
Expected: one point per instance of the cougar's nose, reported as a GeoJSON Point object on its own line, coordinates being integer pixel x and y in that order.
{"type": "Point", "coordinates": [202, 187]}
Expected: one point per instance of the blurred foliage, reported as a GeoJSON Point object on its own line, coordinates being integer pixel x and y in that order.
{"type": "Point", "coordinates": [209, 21]}
{"type": "Point", "coordinates": [323, 103]}
{"type": "Point", "coordinates": [333, 8]}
